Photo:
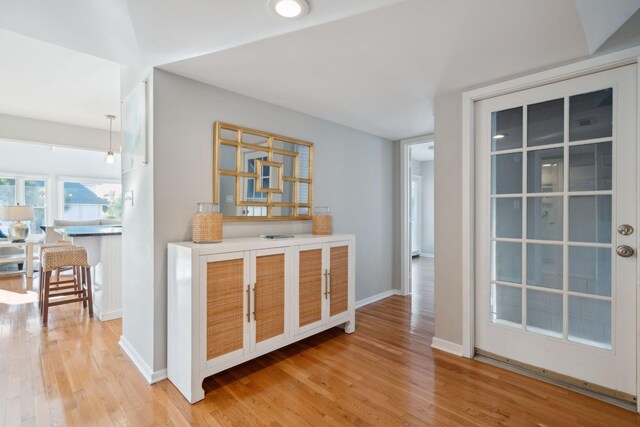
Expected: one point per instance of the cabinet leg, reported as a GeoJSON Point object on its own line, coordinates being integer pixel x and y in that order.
{"type": "Point", "coordinates": [350, 326]}
{"type": "Point", "coordinates": [197, 393]}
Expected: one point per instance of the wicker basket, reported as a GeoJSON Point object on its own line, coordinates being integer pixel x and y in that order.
{"type": "Point", "coordinates": [322, 225]}
{"type": "Point", "coordinates": [207, 228]}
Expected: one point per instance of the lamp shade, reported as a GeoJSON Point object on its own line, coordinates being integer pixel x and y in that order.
{"type": "Point", "coordinates": [16, 213]}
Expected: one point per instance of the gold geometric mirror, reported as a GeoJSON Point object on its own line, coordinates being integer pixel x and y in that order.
{"type": "Point", "coordinates": [260, 176]}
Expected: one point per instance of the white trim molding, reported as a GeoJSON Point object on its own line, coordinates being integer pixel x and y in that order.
{"type": "Point", "coordinates": [151, 376]}
{"type": "Point", "coordinates": [405, 183]}
{"type": "Point", "coordinates": [426, 255]}
{"type": "Point", "coordinates": [377, 297]}
{"type": "Point", "coordinates": [446, 346]}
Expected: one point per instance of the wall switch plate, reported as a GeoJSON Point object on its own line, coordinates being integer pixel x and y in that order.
{"type": "Point", "coordinates": [128, 198]}
{"type": "Point", "coordinates": [229, 198]}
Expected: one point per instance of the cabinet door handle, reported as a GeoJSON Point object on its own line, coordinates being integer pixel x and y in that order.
{"type": "Point", "coordinates": [326, 284]}
{"type": "Point", "coordinates": [248, 303]}
{"type": "Point", "coordinates": [254, 301]}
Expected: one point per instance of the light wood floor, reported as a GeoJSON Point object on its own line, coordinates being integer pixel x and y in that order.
{"type": "Point", "coordinates": [74, 373]}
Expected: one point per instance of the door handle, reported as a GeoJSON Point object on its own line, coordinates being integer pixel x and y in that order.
{"type": "Point", "coordinates": [625, 230]}
{"type": "Point", "coordinates": [625, 251]}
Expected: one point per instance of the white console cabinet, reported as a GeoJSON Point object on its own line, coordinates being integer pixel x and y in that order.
{"type": "Point", "coordinates": [233, 301]}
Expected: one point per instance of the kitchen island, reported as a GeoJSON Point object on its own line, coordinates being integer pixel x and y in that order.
{"type": "Point", "coordinates": [104, 252]}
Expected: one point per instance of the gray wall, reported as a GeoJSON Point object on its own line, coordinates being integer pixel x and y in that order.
{"type": "Point", "coordinates": [448, 217]}
{"type": "Point", "coordinates": [427, 239]}
{"type": "Point", "coordinates": [352, 176]}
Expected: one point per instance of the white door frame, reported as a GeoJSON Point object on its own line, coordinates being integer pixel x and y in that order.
{"type": "Point", "coordinates": [418, 180]}
{"type": "Point", "coordinates": [405, 226]}
{"type": "Point", "coordinates": [589, 66]}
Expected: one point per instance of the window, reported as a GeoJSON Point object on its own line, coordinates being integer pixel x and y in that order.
{"type": "Point", "coordinates": [87, 201]}
{"type": "Point", "coordinates": [26, 191]}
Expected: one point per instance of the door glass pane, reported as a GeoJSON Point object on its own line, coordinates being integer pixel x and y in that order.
{"type": "Point", "coordinates": [590, 219]}
{"type": "Point", "coordinates": [590, 270]}
{"type": "Point", "coordinates": [590, 321]}
{"type": "Point", "coordinates": [506, 174]}
{"type": "Point", "coordinates": [545, 123]}
{"type": "Point", "coordinates": [591, 115]}
{"type": "Point", "coordinates": [544, 218]}
{"type": "Point", "coordinates": [544, 313]}
{"type": "Point", "coordinates": [545, 169]}
{"type": "Point", "coordinates": [506, 261]}
{"type": "Point", "coordinates": [506, 129]}
{"type": "Point", "coordinates": [506, 217]}
{"type": "Point", "coordinates": [506, 305]}
{"type": "Point", "coordinates": [590, 167]}
{"type": "Point", "coordinates": [544, 265]}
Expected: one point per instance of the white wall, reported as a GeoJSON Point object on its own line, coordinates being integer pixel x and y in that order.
{"type": "Point", "coordinates": [427, 240]}
{"type": "Point", "coordinates": [53, 163]}
{"type": "Point", "coordinates": [139, 291]}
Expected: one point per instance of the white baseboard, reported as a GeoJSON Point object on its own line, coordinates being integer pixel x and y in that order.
{"type": "Point", "coordinates": [426, 255]}
{"type": "Point", "coordinates": [447, 346]}
{"type": "Point", "coordinates": [149, 375]}
{"type": "Point", "coordinates": [106, 317]}
{"type": "Point", "coordinates": [377, 297]}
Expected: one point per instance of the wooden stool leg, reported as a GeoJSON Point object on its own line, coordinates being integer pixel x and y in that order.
{"type": "Point", "coordinates": [45, 302]}
{"type": "Point", "coordinates": [81, 286]}
{"type": "Point", "coordinates": [89, 293]}
{"type": "Point", "coordinates": [40, 286]}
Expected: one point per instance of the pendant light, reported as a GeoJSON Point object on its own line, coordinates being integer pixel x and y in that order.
{"type": "Point", "coordinates": [110, 158]}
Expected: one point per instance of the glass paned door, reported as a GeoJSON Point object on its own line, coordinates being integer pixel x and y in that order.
{"type": "Point", "coordinates": [555, 177]}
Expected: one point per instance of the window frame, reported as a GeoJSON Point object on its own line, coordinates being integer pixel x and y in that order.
{"type": "Point", "coordinates": [20, 193]}
{"type": "Point", "coordinates": [85, 181]}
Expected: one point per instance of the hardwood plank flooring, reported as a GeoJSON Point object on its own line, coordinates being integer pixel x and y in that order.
{"type": "Point", "coordinates": [74, 373]}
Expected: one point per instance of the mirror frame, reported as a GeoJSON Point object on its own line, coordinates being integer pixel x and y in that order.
{"type": "Point", "coordinates": [238, 173]}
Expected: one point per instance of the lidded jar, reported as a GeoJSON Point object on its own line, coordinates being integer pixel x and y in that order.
{"type": "Point", "coordinates": [207, 223]}
{"type": "Point", "coordinates": [322, 221]}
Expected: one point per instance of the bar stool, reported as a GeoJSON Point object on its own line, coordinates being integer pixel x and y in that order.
{"type": "Point", "coordinates": [76, 258]}
{"type": "Point", "coordinates": [60, 244]}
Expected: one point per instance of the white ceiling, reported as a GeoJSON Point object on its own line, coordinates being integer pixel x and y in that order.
{"type": "Point", "coordinates": [380, 71]}
{"type": "Point", "coordinates": [374, 65]}
{"type": "Point", "coordinates": [43, 81]}
{"type": "Point", "coordinates": [154, 32]}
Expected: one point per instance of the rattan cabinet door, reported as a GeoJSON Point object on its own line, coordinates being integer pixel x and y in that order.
{"type": "Point", "coordinates": [225, 307]}
{"type": "Point", "coordinates": [269, 296]}
{"type": "Point", "coordinates": [338, 279]}
{"type": "Point", "coordinates": [310, 287]}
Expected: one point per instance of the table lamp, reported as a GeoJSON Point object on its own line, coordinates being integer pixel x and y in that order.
{"type": "Point", "coordinates": [18, 231]}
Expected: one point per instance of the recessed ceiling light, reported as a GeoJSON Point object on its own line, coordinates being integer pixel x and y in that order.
{"type": "Point", "coordinates": [289, 8]}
